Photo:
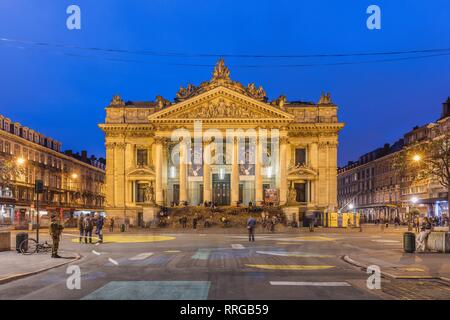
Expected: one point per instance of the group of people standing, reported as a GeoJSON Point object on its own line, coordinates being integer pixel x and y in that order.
{"type": "Point", "coordinates": [86, 225]}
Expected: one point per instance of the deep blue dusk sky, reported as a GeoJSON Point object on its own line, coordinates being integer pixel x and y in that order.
{"type": "Point", "coordinates": [64, 95]}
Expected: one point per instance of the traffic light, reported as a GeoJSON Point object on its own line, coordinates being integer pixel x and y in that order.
{"type": "Point", "coordinates": [39, 186]}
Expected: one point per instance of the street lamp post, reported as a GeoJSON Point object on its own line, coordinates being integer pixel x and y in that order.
{"type": "Point", "coordinates": [414, 200]}
{"type": "Point", "coordinates": [38, 189]}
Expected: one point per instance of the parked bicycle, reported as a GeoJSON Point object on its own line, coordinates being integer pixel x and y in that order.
{"type": "Point", "coordinates": [31, 246]}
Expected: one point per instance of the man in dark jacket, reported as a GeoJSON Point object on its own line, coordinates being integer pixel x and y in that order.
{"type": "Point", "coordinates": [88, 227]}
{"type": "Point", "coordinates": [251, 224]}
{"type": "Point", "coordinates": [55, 231]}
{"type": "Point", "coordinates": [81, 226]}
{"type": "Point", "coordinates": [99, 226]}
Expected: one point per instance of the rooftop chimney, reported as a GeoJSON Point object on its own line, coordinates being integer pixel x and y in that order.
{"type": "Point", "coordinates": [446, 109]}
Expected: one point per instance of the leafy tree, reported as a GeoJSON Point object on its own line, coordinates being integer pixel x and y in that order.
{"type": "Point", "coordinates": [425, 160]}
{"type": "Point", "coordinates": [9, 172]}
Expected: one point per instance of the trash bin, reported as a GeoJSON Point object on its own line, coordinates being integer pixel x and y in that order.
{"type": "Point", "coordinates": [20, 237]}
{"type": "Point", "coordinates": [409, 242]}
{"type": "Point", "coordinates": [122, 227]}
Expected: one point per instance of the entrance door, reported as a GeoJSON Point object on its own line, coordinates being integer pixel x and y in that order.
{"type": "Point", "coordinates": [176, 194]}
{"type": "Point", "coordinates": [140, 219]}
{"type": "Point", "coordinates": [221, 190]}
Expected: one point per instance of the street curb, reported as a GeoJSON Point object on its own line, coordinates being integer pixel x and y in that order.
{"type": "Point", "coordinates": [28, 274]}
{"type": "Point", "coordinates": [358, 264]}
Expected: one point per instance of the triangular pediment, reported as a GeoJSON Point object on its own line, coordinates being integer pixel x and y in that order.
{"type": "Point", "coordinates": [222, 104]}
{"type": "Point", "coordinates": [141, 172]}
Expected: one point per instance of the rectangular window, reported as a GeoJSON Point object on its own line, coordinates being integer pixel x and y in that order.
{"type": "Point", "coordinates": [140, 192]}
{"type": "Point", "coordinates": [300, 156]}
{"type": "Point", "coordinates": [300, 189]}
{"type": "Point", "coordinates": [142, 157]}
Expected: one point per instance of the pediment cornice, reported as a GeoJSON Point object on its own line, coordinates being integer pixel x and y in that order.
{"type": "Point", "coordinates": [222, 105]}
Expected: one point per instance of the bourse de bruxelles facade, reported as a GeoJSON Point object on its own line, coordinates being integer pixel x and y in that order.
{"type": "Point", "coordinates": [222, 142]}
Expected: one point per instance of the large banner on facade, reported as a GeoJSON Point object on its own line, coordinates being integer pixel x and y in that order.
{"type": "Point", "coordinates": [271, 195]}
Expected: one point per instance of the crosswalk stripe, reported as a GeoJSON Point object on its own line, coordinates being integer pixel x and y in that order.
{"type": "Point", "coordinates": [113, 261]}
{"type": "Point", "coordinates": [141, 256]}
{"type": "Point", "coordinates": [310, 284]}
{"type": "Point", "coordinates": [237, 246]}
{"type": "Point", "coordinates": [289, 267]}
{"type": "Point", "coordinates": [294, 254]}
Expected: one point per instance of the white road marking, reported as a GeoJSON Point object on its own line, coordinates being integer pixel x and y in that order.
{"type": "Point", "coordinates": [141, 256]}
{"type": "Point", "coordinates": [113, 261]}
{"type": "Point", "coordinates": [237, 246]}
{"type": "Point", "coordinates": [95, 252]}
{"type": "Point", "coordinates": [294, 254]}
{"type": "Point", "coordinates": [310, 284]}
{"type": "Point", "coordinates": [386, 241]}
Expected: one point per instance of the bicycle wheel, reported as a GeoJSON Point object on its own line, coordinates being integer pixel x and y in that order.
{"type": "Point", "coordinates": [29, 246]}
{"type": "Point", "coordinates": [46, 247]}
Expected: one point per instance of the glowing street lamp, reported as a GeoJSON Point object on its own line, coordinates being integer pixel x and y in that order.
{"type": "Point", "coordinates": [417, 158]}
{"type": "Point", "coordinates": [74, 176]}
{"type": "Point", "coordinates": [351, 206]}
{"type": "Point", "coordinates": [20, 161]}
{"type": "Point", "coordinates": [414, 200]}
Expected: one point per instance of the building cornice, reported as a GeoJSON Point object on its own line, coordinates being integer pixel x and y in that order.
{"type": "Point", "coordinates": [41, 148]}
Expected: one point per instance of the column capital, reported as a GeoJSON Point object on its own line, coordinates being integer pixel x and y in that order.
{"type": "Point", "coordinates": [161, 140]}
{"type": "Point", "coordinates": [120, 145]}
{"type": "Point", "coordinates": [284, 139]}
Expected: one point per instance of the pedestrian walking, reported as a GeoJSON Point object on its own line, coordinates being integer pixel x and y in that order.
{"type": "Point", "coordinates": [111, 225]}
{"type": "Point", "coordinates": [183, 221]}
{"type": "Point", "coordinates": [81, 227]}
{"type": "Point", "coordinates": [55, 232]}
{"type": "Point", "coordinates": [99, 228]}
{"type": "Point", "coordinates": [194, 221]}
{"type": "Point", "coordinates": [88, 227]}
{"type": "Point", "coordinates": [251, 224]}
{"type": "Point", "coordinates": [127, 223]}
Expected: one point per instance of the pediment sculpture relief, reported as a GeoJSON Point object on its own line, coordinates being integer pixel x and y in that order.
{"type": "Point", "coordinates": [221, 110]}
{"type": "Point", "coordinates": [301, 169]}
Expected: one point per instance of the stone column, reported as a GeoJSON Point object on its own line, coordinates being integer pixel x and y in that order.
{"type": "Point", "coordinates": [283, 170]}
{"type": "Point", "coordinates": [207, 191]}
{"type": "Point", "coordinates": [235, 173]}
{"type": "Point", "coordinates": [159, 196]}
{"type": "Point", "coordinates": [258, 173]}
{"type": "Point", "coordinates": [183, 172]}
{"type": "Point", "coordinates": [110, 191]}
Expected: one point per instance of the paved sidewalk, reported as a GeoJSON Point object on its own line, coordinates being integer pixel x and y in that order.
{"type": "Point", "coordinates": [368, 228]}
{"type": "Point", "coordinates": [14, 266]}
{"type": "Point", "coordinates": [396, 263]}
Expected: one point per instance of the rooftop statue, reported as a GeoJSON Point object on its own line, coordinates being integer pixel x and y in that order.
{"type": "Point", "coordinates": [325, 98]}
{"type": "Point", "coordinates": [117, 101]}
{"type": "Point", "coordinates": [221, 71]}
{"type": "Point", "coordinates": [161, 102]}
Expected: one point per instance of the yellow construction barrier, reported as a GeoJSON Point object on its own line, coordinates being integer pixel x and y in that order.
{"type": "Point", "coordinates": [343, 219]}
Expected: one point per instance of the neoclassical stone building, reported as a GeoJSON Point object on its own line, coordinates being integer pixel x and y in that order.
{"type": "Point", "coordinates": [223, 142]}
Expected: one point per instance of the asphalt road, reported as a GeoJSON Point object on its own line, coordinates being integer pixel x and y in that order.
{"type": "Point", "coordinates": [212, 266]}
